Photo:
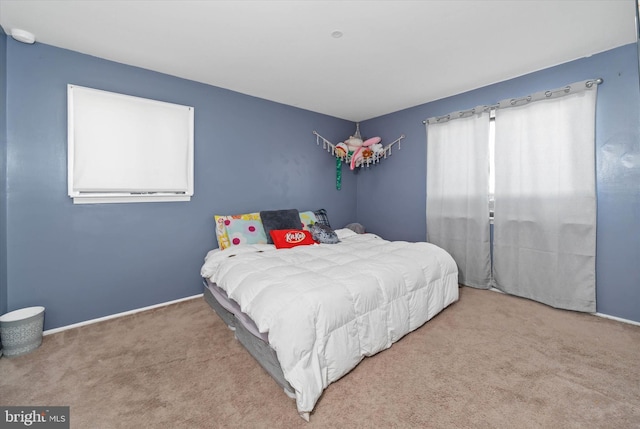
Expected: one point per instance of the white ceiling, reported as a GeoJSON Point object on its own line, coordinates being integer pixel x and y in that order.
{"type": "Point", "coordinates": [392, 55]}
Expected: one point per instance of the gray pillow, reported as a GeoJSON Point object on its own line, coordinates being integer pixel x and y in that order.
{"type": "Point", "coordinates": [356, 227]}
{"type": "Point", "coordinates": [323, 234]}
{"type": "Point", "coordinates": [279, 219]}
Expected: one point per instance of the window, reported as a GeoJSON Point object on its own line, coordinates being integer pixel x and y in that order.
{"type": "Point", "coordinates": [127, 149]}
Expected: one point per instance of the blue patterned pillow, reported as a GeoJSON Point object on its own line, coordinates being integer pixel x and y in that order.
{"type": "Point", "coordinates": [321, 217]}
{"type": "Point", "coordinates": [307, 218]}
{"type": "Point", "coordinates": [324, 234]}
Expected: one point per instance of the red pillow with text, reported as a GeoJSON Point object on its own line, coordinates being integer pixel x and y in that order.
{"type": "Point", "coordinates": [287, 238]}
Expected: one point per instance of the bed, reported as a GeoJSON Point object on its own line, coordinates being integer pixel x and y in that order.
{"type": "Point", "coordinates": [309, 314]}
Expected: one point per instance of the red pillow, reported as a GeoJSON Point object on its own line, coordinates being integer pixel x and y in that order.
{"type": "Point", "coordinates": [287, 238]}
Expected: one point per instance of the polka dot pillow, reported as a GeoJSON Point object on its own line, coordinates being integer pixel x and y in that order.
{"type": "Point", "coordinates": [241, 231]}
{"type": "Point", "coordinates": [223, 222]}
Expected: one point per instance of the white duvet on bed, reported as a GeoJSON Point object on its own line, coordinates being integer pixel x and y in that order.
{"type": "Point", "coordinates": [328, 306]}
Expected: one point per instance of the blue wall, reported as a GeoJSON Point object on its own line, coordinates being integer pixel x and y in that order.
{"type": "Point", "coordinates": [3, 171]}
{"type": "Point", "coordinates": [87, 261]}
{"type": "Point", "coordinates": [392, 200]}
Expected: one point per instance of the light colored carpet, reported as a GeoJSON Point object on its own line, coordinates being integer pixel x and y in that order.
{"type": "Point", "coordinates": [488, 361]}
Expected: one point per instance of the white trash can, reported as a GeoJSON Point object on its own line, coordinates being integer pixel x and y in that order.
{"type": "Point", "coordinates": [21, 331]}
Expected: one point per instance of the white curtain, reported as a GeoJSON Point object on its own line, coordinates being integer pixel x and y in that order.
{"type": "Point", "coordinates": [545, 201]}
{"type": "Point", "coordinates": [457, 195]}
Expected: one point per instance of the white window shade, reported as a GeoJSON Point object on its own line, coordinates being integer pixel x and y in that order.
{"type": "Point", "coordinates": [128, 149]}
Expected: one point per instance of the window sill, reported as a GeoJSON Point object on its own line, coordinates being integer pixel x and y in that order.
{"type": "Point", "coordinates": [147, 198]}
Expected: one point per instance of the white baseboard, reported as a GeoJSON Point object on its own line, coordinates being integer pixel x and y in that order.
{"type": "Point", "coordinates": [164, 304]}
{"type": "Point", "coordinates": [606, 316]}
{"type": "Point", "coordinates": [113, 316]}
{"type": "Point", "coordinates": [618, 319]}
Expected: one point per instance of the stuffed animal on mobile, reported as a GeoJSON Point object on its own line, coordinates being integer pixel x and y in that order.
{"type": "Point", "coordinates": [341, 150]}
{"type": "Point", "coordinates": [353, 143]}
{"type": "Point", "coordinates": [358, 155]}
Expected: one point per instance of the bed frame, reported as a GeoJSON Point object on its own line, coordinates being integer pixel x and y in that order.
{"type": "Point", "coordinates": [257, 347]}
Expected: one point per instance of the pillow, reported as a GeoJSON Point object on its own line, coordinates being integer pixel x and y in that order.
{"type": "Point", "coordinates": [307, 219]}
{"type": "Point", "coordinates": [279, 219]}
{"type": "Point", "coordinates": [241, 231]}
{"type": "Point", "coordinates": [321, 216]}
{"type": "Point", "coordinates": [356, 227]}
{"type": "Point", "coordinates": [222, 222]}
{"type": "Point", "coordinates": [287, 238]}
{"type": "Point", "coordinates": [323, 234]}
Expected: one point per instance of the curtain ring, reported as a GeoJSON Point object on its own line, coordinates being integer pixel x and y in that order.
{"type": "Point", "coordinates": [567, 88]}
{"type": "Point", "coordinates": [548, 94]}
{"type": "Point", "coordinates": [589, 84]}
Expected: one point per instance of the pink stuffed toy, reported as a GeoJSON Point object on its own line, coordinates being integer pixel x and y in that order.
{"type": "Point", "coordinates": [357, 154]}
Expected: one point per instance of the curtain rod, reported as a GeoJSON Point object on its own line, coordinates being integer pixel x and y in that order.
{"type": "Point", "coordinates": [514, 102]}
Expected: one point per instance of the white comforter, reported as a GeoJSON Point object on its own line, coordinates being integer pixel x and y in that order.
{"type": "Point", "coordinates": [328, 306]}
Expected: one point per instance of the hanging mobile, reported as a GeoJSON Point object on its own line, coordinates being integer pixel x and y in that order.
{"type": "Point", "coordinates": [356, 151]}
